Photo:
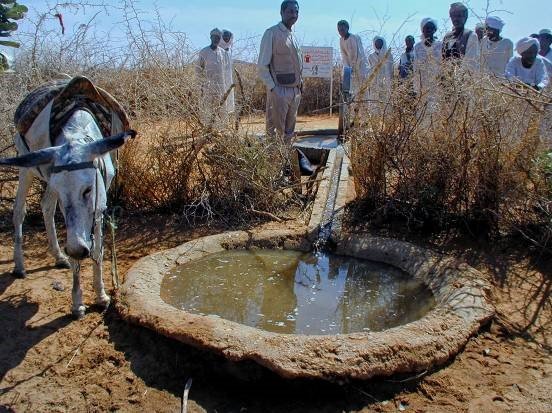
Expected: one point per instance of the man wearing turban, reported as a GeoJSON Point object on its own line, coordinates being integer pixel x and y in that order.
{"type": "Point", "coordinates": [210, 67]}
{"type": "Point", "coordinates": [226, 45]}
{"type": "Point", "coordinates": [545, 40]}
{"type": "Point", "coordinates": [380, 62]}
{"type": "Point", "coordinates": [496, 51]}
{"type": "Point", "coordinates": [427, 57]}
{"type": "Point", "coordinates": [528, 67]}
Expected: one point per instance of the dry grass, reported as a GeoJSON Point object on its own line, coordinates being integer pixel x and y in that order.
{"type": "Point", "coordinates": [187, 159]}
{"type": "Point", "coordinates": [466, 154]}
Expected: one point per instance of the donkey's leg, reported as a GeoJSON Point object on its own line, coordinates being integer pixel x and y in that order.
{"type": "Point", "coordinates": [78, 309]}
{"type": "Point", "coordinates": [49, 203]}
{"type": "Point", "coordinates": [102, 299]}
{"type": "Point", "coordinates": [19, 211]}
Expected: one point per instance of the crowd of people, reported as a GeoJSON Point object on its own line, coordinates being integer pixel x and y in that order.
{"type": "Point", "coordinates": [481, 50]}
{"type": "Point", "coordinates": [279, 63]}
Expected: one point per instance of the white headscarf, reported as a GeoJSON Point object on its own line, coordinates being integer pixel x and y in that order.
{"type": "Point", "coordinates": [525, 43]}
{"type": "Point", "coordinates": [427, 20]}
{"type": "Point", "coordinates": [226, 45]}
{"type": "Point", "coordinates": [383, 49]}
{"type": "Point", "coordinates": [495, 22]}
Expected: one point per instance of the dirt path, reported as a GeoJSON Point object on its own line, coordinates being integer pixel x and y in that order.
{"type": "Point", "coordinates": [48, 362]}
{"type": "Point", "coordinates": [256, 123]}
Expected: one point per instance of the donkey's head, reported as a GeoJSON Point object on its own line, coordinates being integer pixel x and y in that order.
{"type": "Point", "coordinates": [76, 179]}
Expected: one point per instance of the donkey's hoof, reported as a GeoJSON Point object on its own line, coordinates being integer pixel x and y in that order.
{"type": "Point", "coordinates": [19, 273]}
{"type": "Point", "coordinates": [79, 312]}
{"type": "Point", "coordinates": [103, 302]}
{"type": "Point", "coordinates": [63, 263]}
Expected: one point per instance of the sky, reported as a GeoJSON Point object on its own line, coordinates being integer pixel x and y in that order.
{"type": "Point", "coordinates": [248, 19]}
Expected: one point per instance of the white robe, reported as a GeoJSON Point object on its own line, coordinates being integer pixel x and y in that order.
{"type": "Point", "coordinates": [427, 65]}
{"type": "Point", "coordinates": [210, 67]}
{"type": "Point", "coordinates": [380, 89]}
{"type": "Point", "coordinates": [548, 65]}
{"type": "Point", "coordinates": [229, 80]}
{"type": "Point", "coordinates": [352, 55]}
{"type": "Point", "coordinates": [536, 75]}
{"type": "Point", "coordinates": [496, 55]}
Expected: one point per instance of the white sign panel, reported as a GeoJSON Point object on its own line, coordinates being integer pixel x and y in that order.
{"type": "Point", "coordinates": [317, 61]}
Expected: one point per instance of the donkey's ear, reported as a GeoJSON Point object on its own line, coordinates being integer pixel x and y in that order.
{"type": "Point", "coordinates": [105, 145]}
{"type": "Point", "coordinates": [31, 159]}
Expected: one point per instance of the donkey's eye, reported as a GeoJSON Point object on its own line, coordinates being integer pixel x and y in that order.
{"type": "Point", "coordinates": [87, 192]}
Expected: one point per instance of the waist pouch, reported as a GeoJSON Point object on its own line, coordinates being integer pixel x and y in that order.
{"type": "Point", "coordinates": [286, 78]}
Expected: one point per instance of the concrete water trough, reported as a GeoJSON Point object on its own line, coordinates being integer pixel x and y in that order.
{"type": "Point", "coordinates": [460, 292]}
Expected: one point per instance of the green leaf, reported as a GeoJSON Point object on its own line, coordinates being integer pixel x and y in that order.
{"type": "Point", "coordinates": [8, 27]}
{"type": "Point", "coordinates": [9, 43]}
{"type": "Point", "coordinates": [16, 12]}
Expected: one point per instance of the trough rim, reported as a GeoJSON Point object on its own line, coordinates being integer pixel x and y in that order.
{"type": "Point", "coordinates": [462, 296]}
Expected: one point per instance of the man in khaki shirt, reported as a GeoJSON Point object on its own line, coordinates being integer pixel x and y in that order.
{"type": "Point", "coordinates": [280, 64]}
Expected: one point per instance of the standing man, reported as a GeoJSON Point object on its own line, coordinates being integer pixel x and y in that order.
{"type": "Point", "coordinates": [226, 45]}
{"type": "Point", "coordinates": [280, 65]}
{"type": "Point", "coordinates": [480, 31]}
{"type": "Point", "coordinates": [461, 44]}
{"type": "Point", "coordinates": [407, 58]}
{"type": "Point", "coordinates": [496, 51]}
{"type": "Point", "coordinates": [381, 63]}
{"type": "Point", "coordinates": [352, 55]}
{"type": "Point", "coordinates": [545, 40]}
{"type": "Point", "coordinates": [427, 59]}
{"type": "Point", "coordinates": [210, 69]}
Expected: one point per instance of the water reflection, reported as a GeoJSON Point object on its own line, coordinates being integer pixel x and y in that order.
{"type": "Point", "coordinates": [295, 292]}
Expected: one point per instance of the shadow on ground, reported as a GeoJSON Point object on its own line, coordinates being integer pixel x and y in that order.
{"type": "Point", "coordinates": [221, 385]}
{"type": "Point", "coordinates": [17, 338]}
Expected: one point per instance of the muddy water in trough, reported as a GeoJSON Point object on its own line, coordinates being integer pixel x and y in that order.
{"type": "Point", "coordinates": [294, 292]}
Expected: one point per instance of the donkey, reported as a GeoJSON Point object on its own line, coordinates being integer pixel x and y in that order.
{"type": "Point", "coordinates": [78, 172]}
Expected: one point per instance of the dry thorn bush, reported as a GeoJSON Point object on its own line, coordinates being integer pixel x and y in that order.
{"type": "Point", "coordinates": [464, 154]}
{"type": "Point", "coordinates": [188, 158]}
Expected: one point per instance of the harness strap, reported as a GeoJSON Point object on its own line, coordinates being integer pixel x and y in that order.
{"type": "Point", "coordinates": [24, 141]}
{"type": "Point", "coordinates": [73, 167]}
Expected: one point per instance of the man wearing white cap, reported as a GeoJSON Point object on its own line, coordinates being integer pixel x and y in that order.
{"type": "Point", "coordinates": [529, 66]}
{"type": "Point", "coordinates": [427, 57]}
{"type": "Point", "coordinates": [496, 51]}
{"type": "Point", "coordinates": [545, 40]}
{"type": "Point", "coordinates": [279, 66]}
{"type": "Point", "coordinates": [226, 45]}
{"type": "Point", "coordinates": [461, 44]}
{"type": "Point", "coordinates": [210, 69]}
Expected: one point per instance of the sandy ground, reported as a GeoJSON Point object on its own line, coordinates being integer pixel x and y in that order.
{"type": "Point", "coordinates": [256, 123]}
{"type": "Point", "coordinates": [49, 362]}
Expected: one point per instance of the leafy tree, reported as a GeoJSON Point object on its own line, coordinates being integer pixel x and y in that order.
{"type": "Point", "coordinates": [10, 10]}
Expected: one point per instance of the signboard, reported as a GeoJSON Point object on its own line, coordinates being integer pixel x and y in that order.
{"type": "Point", "coordinates": [317, 61]}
